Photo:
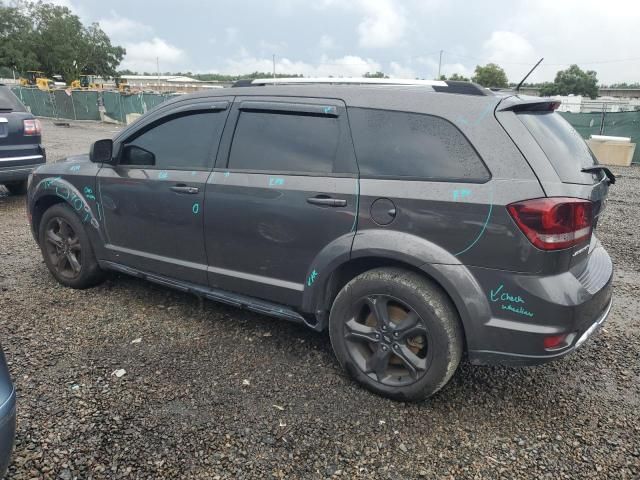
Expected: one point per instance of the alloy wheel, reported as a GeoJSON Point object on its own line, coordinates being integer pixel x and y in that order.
{"type": "Point", "coordinates": [63, 248]}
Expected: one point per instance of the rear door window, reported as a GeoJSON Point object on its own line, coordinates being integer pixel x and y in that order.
{"type": "Point", "coordinates": [411, 145]}
{"type": "Point", "coordinates": [9, 102]}
{"type": "Point", "coordinates": [563, 146]}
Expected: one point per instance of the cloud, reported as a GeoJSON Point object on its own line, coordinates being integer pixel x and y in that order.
{"type": "Point", "coordinates": [400, 71]}
{"type": "Point", "coordinates": [122, 28]}
{"type": "Point", "coordinates": [141, 56]}
{"type": "Point", "coordinates": [384, 23]}
{"type": "Point", "coordinates": [346, 66]}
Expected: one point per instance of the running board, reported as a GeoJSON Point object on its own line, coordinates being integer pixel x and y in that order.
{"type": "Point", "coordinates": [235, 299]}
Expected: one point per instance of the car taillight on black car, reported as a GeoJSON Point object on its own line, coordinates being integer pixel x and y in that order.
{"type": "Point", "coordinates": [554, 223]}
{"type": "Point", "coordinates": [32, 127]}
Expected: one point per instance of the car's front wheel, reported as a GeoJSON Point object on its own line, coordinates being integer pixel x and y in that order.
{"type": "Point", "coordinates": [397, 333]}
{"type": "Point", "coordinates": [67, 250]}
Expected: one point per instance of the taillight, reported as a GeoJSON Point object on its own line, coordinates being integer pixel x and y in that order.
{"type": "Point", "coordinates": [32, 127]}
{"type": "Point", "coordinates": [554, 223]}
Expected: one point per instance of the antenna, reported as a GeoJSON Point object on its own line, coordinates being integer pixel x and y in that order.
{"type": "Point", "coordinates": [527, 75]}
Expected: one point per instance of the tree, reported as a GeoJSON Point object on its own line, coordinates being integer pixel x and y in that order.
{"type": "Point", "coordinates": [491, 75]}
{"type": "Point", "coordinates": [375, 75]}
{"type": "Point", "coordinates": [51, 38]}
{"type": "Point", "coordinates": [572, 81]}
{"type": "Point", "coordinates": [16, 39]}
{"type": "Point", "coordinates": [455, 78]}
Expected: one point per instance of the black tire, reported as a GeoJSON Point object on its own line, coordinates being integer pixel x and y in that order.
{"type": "Point", "coordinates": [17, 188]}
{"type": "Point", "coordinates": [67, 250]}
{"type": "Point", "coordinates": [422, 339]}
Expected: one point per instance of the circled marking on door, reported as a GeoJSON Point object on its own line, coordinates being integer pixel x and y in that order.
{"type": "Point", "coordinates": [196, 208]}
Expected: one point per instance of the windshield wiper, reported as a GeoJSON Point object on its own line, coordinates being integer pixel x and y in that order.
{"type": "Point", "coordinates": [600, 168]}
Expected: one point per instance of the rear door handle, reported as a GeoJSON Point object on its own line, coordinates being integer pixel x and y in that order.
{"type": "Point", "coordinates": [327, 201]}
{"type": "Point", "coordinates": [181, 188]}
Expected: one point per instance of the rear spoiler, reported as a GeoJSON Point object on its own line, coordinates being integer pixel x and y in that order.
{"type": "Point", "coordinates": [528, 104]}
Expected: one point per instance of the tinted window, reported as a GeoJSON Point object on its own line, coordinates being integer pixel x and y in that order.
{"type": "Point", "coordinates": [8, 101]}
{"type": "Point", "coordinates": [282, 142]}
{"type": "Point", "coordinates": [403, 144]}
{"type": "Point", "coordinates": [563, 146]}
{"type": "Point", "coordinates": [180, 143]}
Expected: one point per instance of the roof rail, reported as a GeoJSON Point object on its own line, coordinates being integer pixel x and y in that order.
{"type": "Point", "coordinates": [332, 80]}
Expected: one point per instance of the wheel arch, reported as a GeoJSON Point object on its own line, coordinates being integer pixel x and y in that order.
{"type": "Point", "coordinates": [455, 280]}
{"type": "Point", "coordinates": [51, 191]}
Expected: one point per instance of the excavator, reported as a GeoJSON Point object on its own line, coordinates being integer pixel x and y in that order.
{"type": "Point", "coordinates": [35, 78]}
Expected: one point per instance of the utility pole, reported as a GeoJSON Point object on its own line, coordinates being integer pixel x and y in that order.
{"type": "Point", "coordinates": [274, 66]}
{"type": "Point", "coordinates": [439, 65]}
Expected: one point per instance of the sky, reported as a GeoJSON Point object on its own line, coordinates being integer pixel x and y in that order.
{"type": "Point", "coordinates": [402, 38]}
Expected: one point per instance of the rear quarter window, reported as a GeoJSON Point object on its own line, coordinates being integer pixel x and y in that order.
{"type": "Point", "coordinates": [401, 144]}
{"type": "Point", "coordinates": [9, 102]}
{"type": "Point", "coordinates": [563, 146]}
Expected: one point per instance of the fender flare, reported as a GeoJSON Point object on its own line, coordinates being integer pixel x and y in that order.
{"type": "Point", "coordinates": [88, 213]}
{"type": "Point", "coordinates": [437, 263]}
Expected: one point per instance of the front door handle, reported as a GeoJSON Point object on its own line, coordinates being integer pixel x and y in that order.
{"type": "Point", "coordinates": [326, 201]}
{"type": "Point", "coordinates": [181, 188]}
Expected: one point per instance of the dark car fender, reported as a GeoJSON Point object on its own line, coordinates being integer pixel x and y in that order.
{"type": "Point", "coordinates": [84, 204]}
{"type": "Point", "coordinates": [398, 248]}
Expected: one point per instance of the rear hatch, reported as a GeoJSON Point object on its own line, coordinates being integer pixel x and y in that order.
{"type": "Point", "coordinates": [558, 155]}
{"type": "Point", "coordinates": [13, 141]}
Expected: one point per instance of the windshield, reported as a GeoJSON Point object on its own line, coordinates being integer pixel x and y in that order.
{"type": "Point", "coordinates": [563, 146]}
{"type": "Point", "coordinates": [8, 101]}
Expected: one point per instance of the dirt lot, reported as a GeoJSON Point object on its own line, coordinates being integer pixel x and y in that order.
{"type": "Point", "coordinates": [222, 393]}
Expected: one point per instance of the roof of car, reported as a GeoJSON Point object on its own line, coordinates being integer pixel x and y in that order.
{"type": "Point", "coordinates": [415, 98]}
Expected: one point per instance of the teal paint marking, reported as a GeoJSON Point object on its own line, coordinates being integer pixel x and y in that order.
{"type": "Point", "coordinates": [461, 194]}
{"type": "Point", "coordinates": [163, 175]}
{"type": "Point", "coordinates": [196, 208]}
{"type": "Point", "coordinates": [485, 111]}
{"type": "Point", "coordinates": [74, 168]}
{"type": "Point", "coordinates": [495, 294]}
{"type": "Point", "coordinates": [329, 110]}
{"type": "Point", "coordinates": [512, 303]}
{"type": "Point", "coordinates": [482, 230]}
{"type": "Point", "coordinates": [355, 217]}
{"type": "Point", "coordinates": [517, 310]}
{"type": "Point", "coordinates": [88, 193]}
{"type": "Point", "coordinates": [226, 174]}
{"type": "Point", "coordinates": [276, 181]}
{"type": "Point", "coordinates": [312, 278]}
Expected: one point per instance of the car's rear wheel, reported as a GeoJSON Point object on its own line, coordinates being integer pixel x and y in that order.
{"type": "Point", "coordinates": [397, 333]}
{"type": "Point", "coordinates": [17, 188]}
{"type": "Point", "coordinates": [67, 250]}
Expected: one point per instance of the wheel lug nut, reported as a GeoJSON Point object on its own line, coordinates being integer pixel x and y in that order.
{"type": "Point", "coordinates": [384, 348]}
{"type": "Point", "coordinates": [377, 336]}
{"type": "Point", "coordinates": [384, 328]}
{"type": "Point", "coordinates": [395, 346]}
{"type": "Point", "coordinates": [395, 334]}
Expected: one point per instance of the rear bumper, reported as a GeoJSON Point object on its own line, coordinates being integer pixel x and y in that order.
{"type": "Point", "coordinates": [16, 169]}
{"type": "Point", "coordinates": [525, 311]}
{"type": "Point", "coordinates": [7, 431]}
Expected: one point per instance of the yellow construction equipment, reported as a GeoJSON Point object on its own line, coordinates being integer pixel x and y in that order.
{"type": "Point", "coordinates": [86, 82]}
{"type": "Point", "coordinates": [38, 79]}
{"type": "Point", "coordinates": [122, 85]}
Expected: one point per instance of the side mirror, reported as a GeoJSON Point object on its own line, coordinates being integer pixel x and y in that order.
{"type": "Point", "coordinates": [102, 151]}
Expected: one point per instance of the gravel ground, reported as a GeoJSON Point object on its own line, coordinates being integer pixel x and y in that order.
{"type": "Point", "coordinates": [221, 393]}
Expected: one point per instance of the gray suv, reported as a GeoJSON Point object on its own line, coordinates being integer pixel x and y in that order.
{"type": "Point", "coordinates": [416, 222]}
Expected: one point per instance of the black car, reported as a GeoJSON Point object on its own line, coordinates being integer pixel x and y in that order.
{"type": "Point", "coordinates": [414, 222]}
{"type": "Point", "coordinates": [7, 415]}
{"type": "Point", "coordinates": [20, 142]}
